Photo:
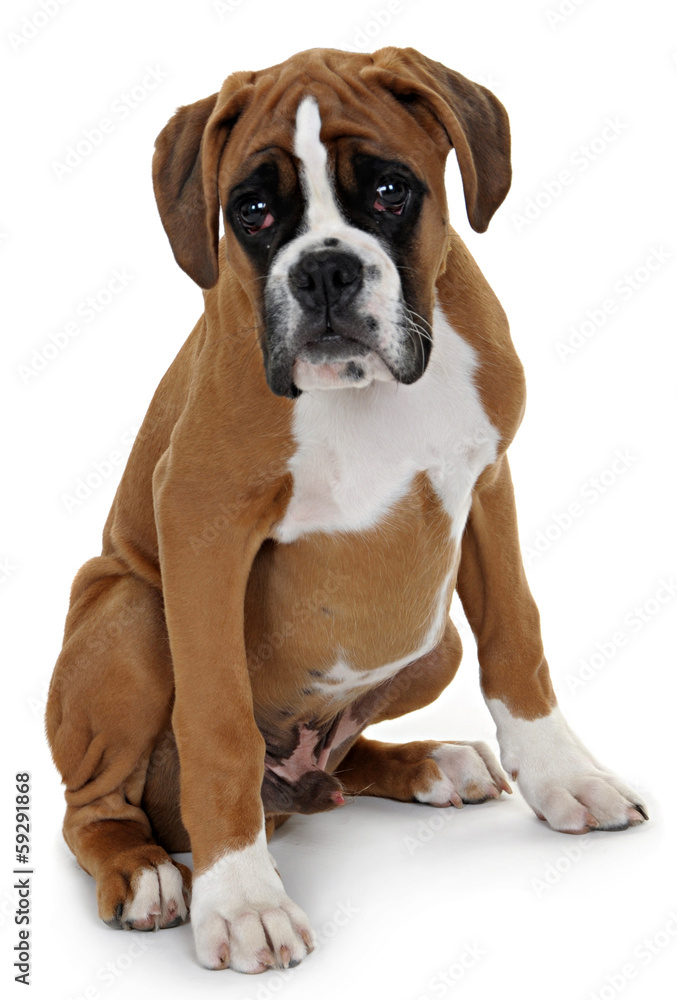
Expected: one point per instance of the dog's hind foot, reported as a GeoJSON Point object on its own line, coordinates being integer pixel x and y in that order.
{"type": "Point", "coordinates": [468, 773]}
{"type": "Point", "coordinates": [427, 771]}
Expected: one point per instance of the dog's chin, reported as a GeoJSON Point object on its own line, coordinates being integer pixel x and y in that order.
{"type": "Point", "coordinates": [314, 371]}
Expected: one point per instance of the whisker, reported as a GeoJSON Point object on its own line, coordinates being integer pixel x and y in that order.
{"type": "Point", "coordinates": [361, 790]}
{"type": "Point", "coordinates": [423, 320]}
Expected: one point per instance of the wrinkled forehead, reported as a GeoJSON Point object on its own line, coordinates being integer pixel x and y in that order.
{"type": "Point", "coordinates": [341, 117]}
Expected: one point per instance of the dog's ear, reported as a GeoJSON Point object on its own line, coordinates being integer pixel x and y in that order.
{"type": "Point", "coordinates": [474, 121]}
{"type": "Point", "coordinates": [185, 177]}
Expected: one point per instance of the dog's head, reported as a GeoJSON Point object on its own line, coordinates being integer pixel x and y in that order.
{"type": "Point", "coordinates": [329, 169]}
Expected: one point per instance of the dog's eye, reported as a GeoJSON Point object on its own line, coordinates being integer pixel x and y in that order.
{"type": "Point", "coordinates": [391, 196]}
{"type": "Point", "coordinates": [254, 215]}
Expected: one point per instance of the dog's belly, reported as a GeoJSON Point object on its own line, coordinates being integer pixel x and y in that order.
{"type": "Point", "coordinates": [331, 614]}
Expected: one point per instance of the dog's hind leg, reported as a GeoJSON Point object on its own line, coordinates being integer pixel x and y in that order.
{"type": "Point", "coordinates": [430, 771]}
{"type": "Point", "coordinates": [110, 698]}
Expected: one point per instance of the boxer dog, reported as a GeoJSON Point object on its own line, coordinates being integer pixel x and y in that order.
{"type": "Point", "coordinates": [323, 463]}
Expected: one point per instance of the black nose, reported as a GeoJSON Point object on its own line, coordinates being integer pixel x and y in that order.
{"type": "Point", "coordinates": [326, 279]}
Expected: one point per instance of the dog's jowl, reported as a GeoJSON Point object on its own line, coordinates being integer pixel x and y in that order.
{"type": "Point", "coordinates": [334, 432]}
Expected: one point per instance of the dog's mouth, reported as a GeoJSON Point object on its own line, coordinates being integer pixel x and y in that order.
{"type": "Point", "coordinates": [337, 362]}
{"type": "Point", "coordinates": [332, 347]}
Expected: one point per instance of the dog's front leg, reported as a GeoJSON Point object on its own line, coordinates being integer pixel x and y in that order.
{"type": "Point", "coordinates": [241, 915]}
{"type": "Point", "coordinates": [559, 778]}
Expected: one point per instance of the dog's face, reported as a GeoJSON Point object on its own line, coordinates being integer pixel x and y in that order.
{"type": "Point", "coordinates": [329, 170]}
{"type": "Point", "coordinates": [331, 230]}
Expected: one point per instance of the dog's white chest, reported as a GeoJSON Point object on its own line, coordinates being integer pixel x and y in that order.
{"type": "Point", "coordinates": [358, 450]}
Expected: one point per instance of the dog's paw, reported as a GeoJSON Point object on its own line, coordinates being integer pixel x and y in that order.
{"type": "Point", "coordinates": [467, 772]}
{"type": "Point", "coordinates": [589, 799]}
{"type": "Point", "coordinates": [561, 780]}
{"type": "Point", "coordinates": [242, 917]}
{"type": "Point", "coordinates": [252, 937]}
{"type": "Point", "coordinates": [151, 897]}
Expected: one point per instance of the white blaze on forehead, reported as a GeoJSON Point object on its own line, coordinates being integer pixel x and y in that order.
{"type": "Point", "coordinates": [321, 209]}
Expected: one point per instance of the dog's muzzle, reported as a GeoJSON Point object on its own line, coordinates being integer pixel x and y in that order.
{"type": "Point", "coordinates": [326, 285]}
{"type": "Point", "coordinates": [335, 316]}
{"type": "Point", "coordinates": [322, 333]}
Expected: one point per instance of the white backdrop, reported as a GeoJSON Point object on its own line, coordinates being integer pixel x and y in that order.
{"type": "Point", "coordinates": [408, 902]}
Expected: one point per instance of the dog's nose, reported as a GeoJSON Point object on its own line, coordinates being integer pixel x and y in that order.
{"type": "Point", "coordinates": [326, 279]}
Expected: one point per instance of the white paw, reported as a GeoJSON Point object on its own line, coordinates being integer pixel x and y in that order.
{"type": "Point", "coordinates": [157, 900]}
{"type": "Point", "coordinates": [469, 772]}
{"type": "Point", "coordinates": [560, 779]}
{"type": "Point", "coordinates": [242, 917]}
